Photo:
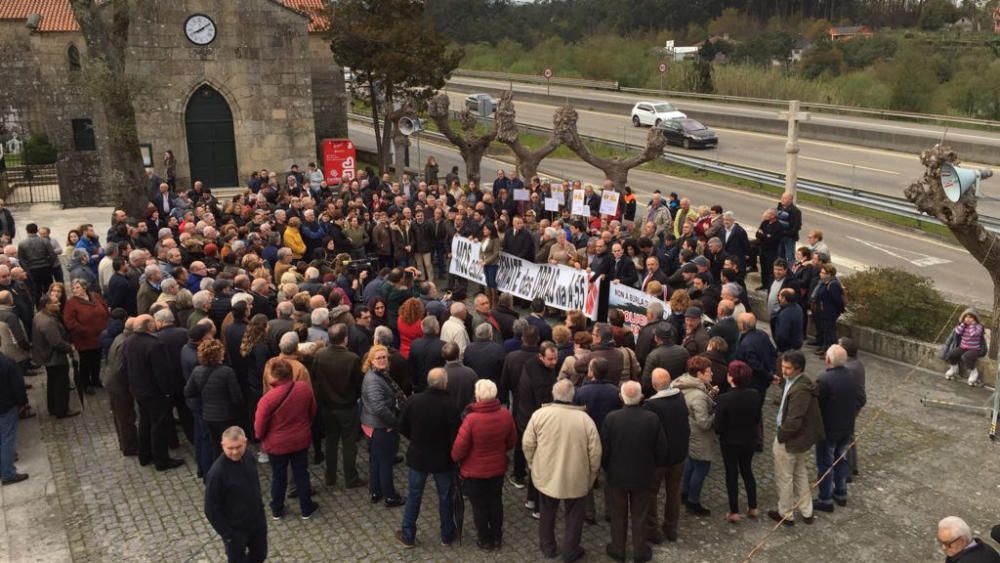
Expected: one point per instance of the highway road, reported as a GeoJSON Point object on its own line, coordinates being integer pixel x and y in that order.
{"type": "Point", "coordinates": [854, 243]}
{"type": "Point", "coordinates": [932, 132]}
{"type": "Point", "coordinates": [863, 168]}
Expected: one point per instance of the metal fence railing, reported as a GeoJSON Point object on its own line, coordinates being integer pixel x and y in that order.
{"type": "Point", "coordinates": [805, 105]}
{"type": "Point", "coordinates": [897, 206]}
{"type": "Point", "coordinates": [29, 184]}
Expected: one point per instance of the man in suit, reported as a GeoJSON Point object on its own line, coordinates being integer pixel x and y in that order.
{"type": "Point", "coordinates": [781, 281]}
{"type": "Point", "coordinates": [644, 342]}
{"type": "Point", "coordinates": [726, 328]}
{"type": "Point", "coordinates": [164, 200]}
{"type": "Point", "coordinates": [669, 406]}
{"type": "Point", "coordinates": [857, 369]}
{"type": "Point", "coordinates": [654, 272]}
{"type": "Point", "coordinates": [800, 426]}
{"type": "Point", "coordinates": [518, 241]}
{"type": "Point", "coordinates": [735, 241]}
{"type": "Point", "coordinates": [484, 355]}
{"type": "Point", "coordinates": [537, 319]}
{"type": "Point", "coordinates": [151, 383]}
{"type": "Point", "coordinates": [633, 445]}
{"type": "Point", "coordinates": [175, 338]}
{"type": "Point", "coordinates": [425, 352]}
{"type": "Point", "coordinates": [839, 401]}
{"type": "Point", "coordinates": [623, 269]}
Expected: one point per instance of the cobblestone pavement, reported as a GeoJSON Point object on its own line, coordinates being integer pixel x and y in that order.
{"type": "Point", "coordinates": [918, 464]}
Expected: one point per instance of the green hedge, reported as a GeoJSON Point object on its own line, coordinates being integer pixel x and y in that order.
{"type": "Point", "coordinates": [38, 150]}
{"type": "Point", "coordinates": [899, 302]}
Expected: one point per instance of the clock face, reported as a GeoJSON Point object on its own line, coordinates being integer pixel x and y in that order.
{"type": "Point", "coordinates": [200, 29]}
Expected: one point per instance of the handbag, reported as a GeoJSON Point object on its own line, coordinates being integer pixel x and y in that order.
{"type": "Point", "coordinates": [267, 426]}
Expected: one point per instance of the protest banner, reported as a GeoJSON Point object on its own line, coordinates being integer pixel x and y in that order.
{"type": "Point", "coordinates": [552, 204]}
{"type": "Point", "coordinates": [522, 195]}
{"type": "Point", "coordinates": [561, 287]}
{"type": "Point", "coordinates": [609, 202]}
{"type": "Point", "coordinates": [465, 260]}
{"type": "Point", "coordinates": [633, 303]}
{"type": "Point", "coordinates": [558, 190]}
{"type": "Point", "coordinates": [579, 207]}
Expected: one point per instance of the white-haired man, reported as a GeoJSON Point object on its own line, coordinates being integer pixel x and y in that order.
{"type": "Point", "coordinates": [956, 540]}
{"type": "Point", "coordinates": [563, 450]}
{"type": "Point", "coordinates": [633, 445]}
{"type": "Point", "coordinates": [454, 328]}
{"type": "Point", "coordinates": [840, 399]}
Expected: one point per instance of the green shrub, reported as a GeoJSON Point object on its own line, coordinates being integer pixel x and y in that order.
{"type": "Point", "coordinates": [38, 150]}
{"type": "Point", "coordinates": [899, 302]}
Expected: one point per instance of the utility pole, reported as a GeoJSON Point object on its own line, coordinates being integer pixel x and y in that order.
{"type": "Point", "coordinates": [794, 116]}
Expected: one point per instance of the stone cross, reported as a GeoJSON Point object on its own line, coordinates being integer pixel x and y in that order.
{"type": "Point", "coordinates": [794, 116]}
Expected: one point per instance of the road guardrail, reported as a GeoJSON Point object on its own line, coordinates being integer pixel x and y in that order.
{"type": "Point", "coordinates": [832, 192]}
{"type": "Point", "coordinates": [782, 104]}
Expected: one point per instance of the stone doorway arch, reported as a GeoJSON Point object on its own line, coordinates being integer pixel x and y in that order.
{"type": "Point", "coordinates": [211, 141]}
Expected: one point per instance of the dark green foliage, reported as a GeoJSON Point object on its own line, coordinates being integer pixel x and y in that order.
{"type": "Point", "coordinates": [899, 302]}
{"type": "Point", "coordinates": [38, 150]}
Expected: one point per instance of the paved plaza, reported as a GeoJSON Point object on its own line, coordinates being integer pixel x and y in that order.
{"type": "Point", "coordinates": [85, 502]}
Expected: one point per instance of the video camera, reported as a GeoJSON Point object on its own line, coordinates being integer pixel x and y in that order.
{"type": "Point", "coordinates": [355, 267]}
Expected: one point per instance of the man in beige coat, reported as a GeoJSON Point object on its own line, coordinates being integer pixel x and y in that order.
{"type": "Point", "coordinates": [563, 451]}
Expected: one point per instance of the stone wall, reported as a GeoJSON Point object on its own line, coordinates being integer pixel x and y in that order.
{"type": "Point", "coordinates": [259, 62]}
{"type": "Point", "coordinates": [329, 92]}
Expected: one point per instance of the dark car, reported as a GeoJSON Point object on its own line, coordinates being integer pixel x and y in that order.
{"type": "Point", "coordinates": [688, 133]}
{"type": "Point", "coordinates": [472, 102]}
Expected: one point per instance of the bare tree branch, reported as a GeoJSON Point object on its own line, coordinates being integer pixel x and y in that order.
{"type": "Point", "coordinates": [961, 218]}
{"type": "Point", "coordinates": [472, 147]}
{"type": "Point", "coordinates": [509, 134]}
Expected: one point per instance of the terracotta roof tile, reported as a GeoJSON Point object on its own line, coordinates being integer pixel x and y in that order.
{"type": "Point", "coordinates": [57, 15]}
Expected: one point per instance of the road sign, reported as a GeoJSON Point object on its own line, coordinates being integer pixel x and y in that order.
{"type": "Point", "coordinates": [663, 67]}
{"type": "Point", "coordinates": [547, 73]}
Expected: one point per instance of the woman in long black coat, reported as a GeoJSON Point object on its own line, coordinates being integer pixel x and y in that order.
{"type": "Point", "coordinates": [737, 414]}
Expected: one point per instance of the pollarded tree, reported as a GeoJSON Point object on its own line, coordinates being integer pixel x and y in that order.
{"type": "Point", "coordinates": [395, 52]}
{"type": "Point", "coordinates": [961, 218]}
{"type": "Point", "coordinates": [509, 134]}
{"type": "Point", "coordinates": [615, 168]}
{"type": "Point", "coordinates": [471, 146]}
{"type": "Point", "coordinates": [105, 29]}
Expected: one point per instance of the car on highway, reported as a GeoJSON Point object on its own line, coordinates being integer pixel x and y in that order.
{"type": "Point", "coordinates": [688, 133]}
{"type": "Point", "coordinates": [472, 101]}
{"type": "Point", "coordinates": [654, 113]}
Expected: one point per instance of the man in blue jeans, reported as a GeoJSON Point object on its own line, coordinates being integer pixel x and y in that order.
{"type": "Point", "coordinates": [430, 421]}
{"type": "Point", "coordinates": [839, 400]}
{"type": "Point", "coordinates": [12, 398]}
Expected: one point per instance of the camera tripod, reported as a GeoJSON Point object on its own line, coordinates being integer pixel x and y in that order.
{"type": "Point", "coordinates": [990, 406]}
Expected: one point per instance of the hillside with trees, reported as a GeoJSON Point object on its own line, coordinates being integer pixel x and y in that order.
{"type": "Point", "coordinates": [924, 56]}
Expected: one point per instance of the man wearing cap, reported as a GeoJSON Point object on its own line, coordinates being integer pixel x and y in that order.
{"type": "Point", "coordinates": [695, 333]}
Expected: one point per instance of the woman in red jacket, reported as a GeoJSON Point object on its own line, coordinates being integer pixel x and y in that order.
{"type": "Point", "coordinates": [411, 316]}
{"type": "Point", "coordinates": [480, 449]}
{"type": "Point", "coordinates": [283, 425]}
{"type": "Point", "coordinates": [85, 316]}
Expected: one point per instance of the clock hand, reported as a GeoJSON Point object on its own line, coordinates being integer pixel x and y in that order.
{"type": "Point", "coordinates": [202, 28]}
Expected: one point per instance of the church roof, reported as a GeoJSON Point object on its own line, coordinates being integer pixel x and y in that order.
{"type": "Point", "coordinates": [57, 15]}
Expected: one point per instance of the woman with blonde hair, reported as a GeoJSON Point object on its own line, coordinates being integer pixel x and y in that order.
{"type": "Point", "coordinates": [679, 303]}
{"type": "Point", "coordinates": [381, 402]}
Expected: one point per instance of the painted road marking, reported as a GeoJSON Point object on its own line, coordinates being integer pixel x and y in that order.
{"type": "Point", "coordinates": [849, 165]}
{"type": "Point", "coordinates": [915, 258]}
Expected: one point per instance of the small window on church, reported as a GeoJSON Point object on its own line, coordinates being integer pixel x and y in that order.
{"type": "Point", "coordinates": [83, 135]}
{"type": "Point", "coordinates": [73, 54]}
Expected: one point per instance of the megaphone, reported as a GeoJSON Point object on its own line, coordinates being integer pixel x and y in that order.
{"type": "Point", "coordinates": [956, 181]}
{"type": "Point", "coordinates": [410, 125]}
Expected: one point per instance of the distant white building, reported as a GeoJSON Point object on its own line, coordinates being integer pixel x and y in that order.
{"type": "Point", "coordinates": [680, 53]}
{"type": "Point", "coordinates": [14, 145]}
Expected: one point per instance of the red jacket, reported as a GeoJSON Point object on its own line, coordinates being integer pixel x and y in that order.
{"type": "Point", "coordinates": [285, 428]}
{"type": "Point", "coordinates": [483, 440]}
{"type": "Point", "coordinates": [85, 321]}
{"type": "Point", "coordinates": [407, 334]}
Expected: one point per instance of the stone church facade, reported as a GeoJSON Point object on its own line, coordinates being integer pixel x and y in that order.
{"type": "Point", "coordinates": [230, 86]}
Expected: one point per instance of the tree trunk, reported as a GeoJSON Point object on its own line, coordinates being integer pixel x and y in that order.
{"type": "Point", "coordinates": [962, 219]}
{"type": "Point", "coordinates": [509, 133]}
{"type": "Point", "coordinates": [472, 147]}
{"type": "Point", "coordinates": [383, 162]}
{"type": "Point", "coordinates": [615, 169]}
{"type": "Point", "coordinates": [107, 42]}
{"type": "Point", "coordinates": [400, 143]}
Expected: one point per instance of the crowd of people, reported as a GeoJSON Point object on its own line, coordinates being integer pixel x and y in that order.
{"type": "Point", "coordinates": [300, 315]}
